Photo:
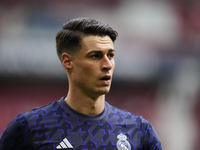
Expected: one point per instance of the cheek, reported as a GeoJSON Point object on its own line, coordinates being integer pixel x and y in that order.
{"type": "Point", "coordinates": [86, 76]}
{"type": "Point", "coordinates": [89, 68]}
{"type": "Point", "coordinates": [88, 71]}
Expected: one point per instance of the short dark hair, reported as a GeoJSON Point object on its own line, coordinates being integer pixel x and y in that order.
{"type": "Point", "coordinates": [69, 38]}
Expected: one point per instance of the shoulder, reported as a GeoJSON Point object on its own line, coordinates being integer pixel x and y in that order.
{"type": "Point", "coordinates": [18, 122]}
{"type": "Point", "coordinates": [43, 109]}
{"type": "Point", "coordinates": [17, 126]}
{"type": "Point", "coordinates": [17, 134]}
{"type": "Point", "coordinates": [39, 113]}
{"type": "Point", "coordinates": [125, 117]}
{"type": "Point", "coordinates": [125, 114]}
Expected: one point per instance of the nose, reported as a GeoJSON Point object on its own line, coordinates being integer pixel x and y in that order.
{"type": "Point", "coordinates": [107, 64]}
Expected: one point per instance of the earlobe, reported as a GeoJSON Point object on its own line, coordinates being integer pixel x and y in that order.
{"type": "Point", "coordinates": [67, 61]}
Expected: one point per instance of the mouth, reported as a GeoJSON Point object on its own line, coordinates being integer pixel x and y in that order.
{"type": "Point", "coordinates": [105, 78]}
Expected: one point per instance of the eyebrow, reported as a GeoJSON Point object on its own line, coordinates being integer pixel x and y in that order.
{"type": "Point", "coordinates": [100, 51]}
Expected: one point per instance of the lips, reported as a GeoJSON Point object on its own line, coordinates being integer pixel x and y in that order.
{"type": "Point", "coordinates": [105, 78]}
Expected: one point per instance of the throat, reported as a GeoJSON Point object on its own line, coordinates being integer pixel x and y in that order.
{"type": "Point", "coordinates": [87, 107]}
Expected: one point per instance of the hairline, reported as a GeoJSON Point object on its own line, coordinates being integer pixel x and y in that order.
{"type": "Point", "coordinates": [75, 53]}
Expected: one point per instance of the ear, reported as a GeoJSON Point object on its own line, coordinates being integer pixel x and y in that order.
{"type": "Point", "coordinates": [66, 60]}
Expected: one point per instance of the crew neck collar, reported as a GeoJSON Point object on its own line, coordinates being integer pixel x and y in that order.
{"type": "Point", "coordinates": [84, 116]}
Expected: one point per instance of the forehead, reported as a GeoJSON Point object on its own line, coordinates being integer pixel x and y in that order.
{"type": "Point", "coordinates": [97, 43]}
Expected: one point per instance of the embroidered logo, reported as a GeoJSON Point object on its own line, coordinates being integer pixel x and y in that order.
{"type": "Point", "coordinates": [64, 144]}
{"type": "Point", "coordinates": [122, 143]}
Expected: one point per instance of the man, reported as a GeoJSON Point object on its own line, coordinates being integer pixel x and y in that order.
{"type": "Point", "coordinates": [82, 120]}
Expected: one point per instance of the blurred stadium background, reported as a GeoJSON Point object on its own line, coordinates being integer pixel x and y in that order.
{"type": "Point", "coordinates": [157, 60]}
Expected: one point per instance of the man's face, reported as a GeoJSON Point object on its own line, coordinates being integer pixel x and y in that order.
{"type": "Point", "coordinates": [93, 66]}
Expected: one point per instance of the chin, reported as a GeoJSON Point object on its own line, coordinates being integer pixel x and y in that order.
{"type": "Point", "coordinates": [104, 91]}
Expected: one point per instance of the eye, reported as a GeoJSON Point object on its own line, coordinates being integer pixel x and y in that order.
{"type": "Point", "coordinates": [95, 56]}
{"type": "Point", "coordinates": [111, 55]}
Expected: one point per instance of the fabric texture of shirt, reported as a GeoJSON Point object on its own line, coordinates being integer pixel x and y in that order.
{"type": "Point", "coordinates": [58, 126]}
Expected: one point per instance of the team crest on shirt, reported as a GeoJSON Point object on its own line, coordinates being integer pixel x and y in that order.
{"type": "Point", "coordinates": [122, 143]}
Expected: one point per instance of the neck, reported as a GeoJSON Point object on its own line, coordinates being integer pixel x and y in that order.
{"type": "Point", "coordinates": [85, 104]}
